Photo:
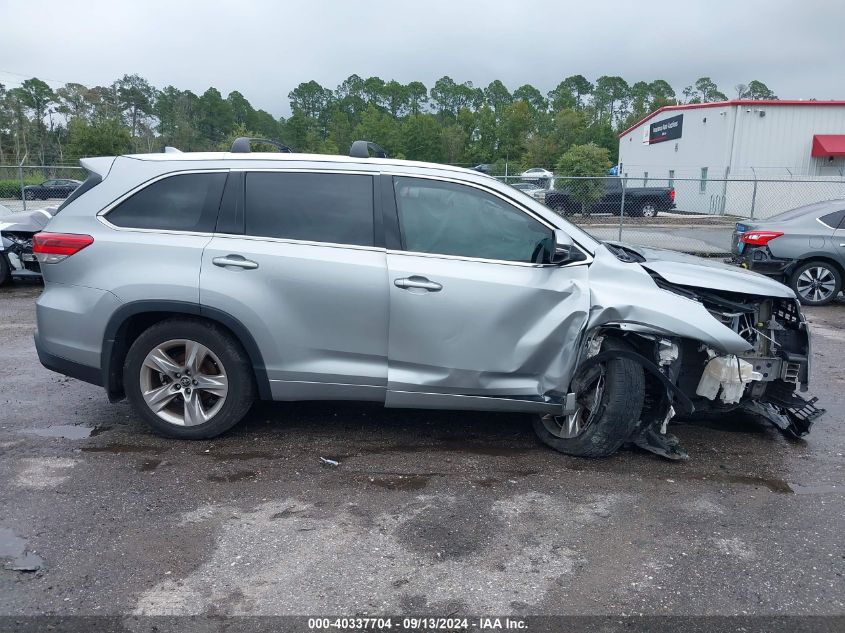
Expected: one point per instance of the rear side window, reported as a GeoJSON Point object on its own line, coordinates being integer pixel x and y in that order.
{"type": "Point", "coordinates": [336, 208]}
{"type": "Point", "coordinates": [833, 220]}
{"type": "Point", "coordinates": [186, 202]}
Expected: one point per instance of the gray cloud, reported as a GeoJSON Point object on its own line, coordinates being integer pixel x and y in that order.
{"type": "Point", "coordinates": [264, 48]}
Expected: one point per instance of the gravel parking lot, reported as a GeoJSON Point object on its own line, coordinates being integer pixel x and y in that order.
{"type": "Point", "coordinates": [427, 512]}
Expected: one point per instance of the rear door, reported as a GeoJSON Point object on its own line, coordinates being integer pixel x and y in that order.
{"type": "Point", "coordinates": [476, 319]}
{"type": "Point", "coordinates": [295, 261]}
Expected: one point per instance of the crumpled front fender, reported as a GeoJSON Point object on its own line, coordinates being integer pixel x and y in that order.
{"type": "Point", "coordinates": [624, 294]}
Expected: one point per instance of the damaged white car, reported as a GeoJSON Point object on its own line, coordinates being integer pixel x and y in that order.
{"type": "Point", "coordinates": [194, 283]}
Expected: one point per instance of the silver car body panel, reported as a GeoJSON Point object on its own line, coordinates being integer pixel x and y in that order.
{"type": "Point", "coordinates": [330, 322]}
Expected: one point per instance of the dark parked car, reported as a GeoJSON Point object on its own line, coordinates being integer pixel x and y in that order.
{"type": "Point", "coordinates": [639, 201]}
{"type": "Point", "coordinates": [56, 188]}
{"type": "Point", "coordinates": [802, 247]}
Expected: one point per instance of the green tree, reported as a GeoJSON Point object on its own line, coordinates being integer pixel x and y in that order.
{"type": "Point", "coordinates": [421, 138]}
{"type": "Point", "coordinates": [497, 96]}
{"type": "Point", "coordinates": [704, 90]}
{"type": "Point", "coordinates": [417, 97]}
{"type": "Point", "coordinates": [533, 97]}
{"type": "Point", "coordinates": [570, 93]}
{"type": "Point", "coordinates": [106, 138]}
{"type": "Point", "coordinates": [584, 161]}
{"type": "Point", "coordinates": [136, 98]}
{"type": "Point", "coordinates": [757, 90]}
{"type": "Point", "coordinates": [610, 96]}
{"type": "Point", "coordinates": [215, 119]}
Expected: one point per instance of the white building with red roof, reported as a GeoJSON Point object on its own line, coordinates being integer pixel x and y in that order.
{"type": "Point", "coordinates": [716, 155]}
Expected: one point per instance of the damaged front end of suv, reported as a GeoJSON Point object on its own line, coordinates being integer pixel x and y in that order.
{"type": "Point", "coordinates": [709, 339]}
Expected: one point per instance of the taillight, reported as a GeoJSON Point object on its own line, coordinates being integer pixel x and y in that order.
{"type": "Point", "coordinates": [760, 238]}
{"type": "Point", "coordinates": [672, 195]}
{"type": "Point", "coordinates": [50, 248]}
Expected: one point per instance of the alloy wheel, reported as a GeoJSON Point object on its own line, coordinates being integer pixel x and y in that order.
{"type": "Point", "coordinates": [649, 211]}
{"type": "Point", "coordinates": [588, 395]}
{"type": "Point", "coordinates": [816, 284]}
{"type": "Point", "coordinates": [183, 382]}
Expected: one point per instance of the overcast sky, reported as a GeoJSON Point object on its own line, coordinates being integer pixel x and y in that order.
{"type": "Point", "coordinates": [264, 48]}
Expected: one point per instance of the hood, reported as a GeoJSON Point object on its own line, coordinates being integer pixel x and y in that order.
{"type": "Point", "coordinates": [698, 272]}
{"type": "Point", "coordinates": [27, 221]}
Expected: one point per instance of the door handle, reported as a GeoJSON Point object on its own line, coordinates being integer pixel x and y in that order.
{"type": "Point", "coordinates": [416, 281]}
{"type": "Point", "coordinates": [235, 260]}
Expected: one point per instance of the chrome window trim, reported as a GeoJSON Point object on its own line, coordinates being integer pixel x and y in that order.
{"type": "Point", "coordinates": [518, 206]}
{"type": "Point", "coordinates": [101, 215]}
{"type": "Point", "coordinates": [284, 240]}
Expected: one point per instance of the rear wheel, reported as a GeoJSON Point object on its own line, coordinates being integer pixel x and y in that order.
{"type": "Point", "coordinates": [188, 379]}
{"type": "Point", "coordinates": [609, 402]}
{"type": "Point", "coordinates": [816, 283]}
{"type": "Point", "coordinates": [647, 210]}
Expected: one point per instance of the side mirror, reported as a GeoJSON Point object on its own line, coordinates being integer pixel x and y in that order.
{"type": "Point", "coordinates": [565, 249]}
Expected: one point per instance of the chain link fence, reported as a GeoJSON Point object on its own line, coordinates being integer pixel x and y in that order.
{"type": "Point", "coordinates": [24, 187]}
{"type": "Point", "coordinates": [686, 214]}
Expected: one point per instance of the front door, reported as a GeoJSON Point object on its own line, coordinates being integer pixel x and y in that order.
{"type": "Point", "coordinates": [478, 319]}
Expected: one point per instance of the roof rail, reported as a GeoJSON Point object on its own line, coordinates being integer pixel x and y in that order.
{"type": "Point", "coordinates": [243, 145]}
{"type": "Point", "coordinates": [361, 149]}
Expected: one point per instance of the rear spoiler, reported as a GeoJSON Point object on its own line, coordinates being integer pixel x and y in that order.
{"type": "Point", "coordinates": [100, 165]}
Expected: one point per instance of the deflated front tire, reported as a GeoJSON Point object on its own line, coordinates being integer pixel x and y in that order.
{"type": "Point", "coordinates": [609, 403]}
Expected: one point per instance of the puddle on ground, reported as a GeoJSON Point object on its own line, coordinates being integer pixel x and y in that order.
{"type": "Point", "coordinates": [240, 475]}
{"type": "Point", "coordinates": [65, 431]}
{"type": "Point", "coordinates": [149, 465]}
{"type": "Point", "coordinates": [817, 489]}
{"type": "Point", "coordinates": [13, 547]}
{"type": "Point", "coordinates": [453, 446]}
{"type": "Point", "coordinates": [775, 485]}
{"type": "Point", "coordinates": [401, 482]}
{"type": "Point", "coordinates": [120, 449]}
{"type": "Point", "coordinates": [242, 456]}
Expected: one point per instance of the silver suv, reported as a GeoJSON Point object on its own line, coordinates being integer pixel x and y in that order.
{"type": "Point", "coordinates": [194, 283]}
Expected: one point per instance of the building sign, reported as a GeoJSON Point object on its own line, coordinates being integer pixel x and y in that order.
{"type": "Point", "coordinates": [666, 130]}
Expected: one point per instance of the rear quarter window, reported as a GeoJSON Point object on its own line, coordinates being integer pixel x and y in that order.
{"type": "Point", "coordinates": [833, 220]}
{"type": "Point", "coordinates": [183, 202]}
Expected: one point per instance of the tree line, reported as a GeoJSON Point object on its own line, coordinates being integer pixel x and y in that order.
{"type": "Point", "coordinates": [449, 122]}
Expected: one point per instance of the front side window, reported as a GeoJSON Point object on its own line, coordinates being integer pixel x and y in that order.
{"type": "Point", "coordinates": [185, 202]}
{"type": "Point", "coordinates": [449, 219]}
{"type": "Point", "coordinates": [315, 207]}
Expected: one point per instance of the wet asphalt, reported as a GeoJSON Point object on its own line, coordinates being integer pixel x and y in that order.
{"type": "Point", "coordinates": [425, 512]}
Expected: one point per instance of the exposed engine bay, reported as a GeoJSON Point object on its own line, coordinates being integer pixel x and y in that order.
{"type": "Point", "coordinates": [696, 379]}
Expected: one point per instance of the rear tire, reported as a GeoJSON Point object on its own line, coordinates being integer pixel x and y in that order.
{"type": "Point", "coordinates": [609, 424]}
{"type": "Point", "coordinates": [648, 209]}
{"type": "Point", "coordinates": [183, 398]}
{"type": "Point", "coordinates": [816, 283]}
